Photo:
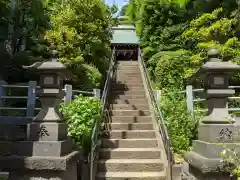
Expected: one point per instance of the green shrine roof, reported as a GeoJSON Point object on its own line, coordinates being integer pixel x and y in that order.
{"type": "Point", "coordinates": [124, 34]}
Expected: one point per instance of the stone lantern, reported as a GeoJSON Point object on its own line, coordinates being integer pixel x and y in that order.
{"type": "Point", "coordinates": [216, 74]}
{"type": "Point", "coordinates": [47, 153]}
{"type": "Point", "coordinates": [52, 73]}
{"type": "Point", "coordinates": [215, 129]}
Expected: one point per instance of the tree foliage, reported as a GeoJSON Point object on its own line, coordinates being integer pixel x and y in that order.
{"type": "Point", "coordinates": [78, 29]}
{"type": "Point", "coordinates": [21, 36]}
{"type": "Point", "coordinates": [175, 36]}
{"type": "Point", "coordinates": [80, 32]}
{"type": "Point", "coordinates": [192, 25]}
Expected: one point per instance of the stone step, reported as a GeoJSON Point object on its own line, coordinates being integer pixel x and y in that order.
{"type": "Point", "coordinates": [130, 90]}
{"type": "Point", "coordinates": [130, 113]}
{"type": "Point", "coordinates": [125, 63]}
{"type": "Point", "coordinates": [131, 126]}
{"type": "Point", "coordinates": [128, 96]}
{"type": "Point", "coordinates": [129, 106]}
{"type": "Point", "coordinates": [129, 93]}
{"type": "Point", "coordinates": [131, 165]}
{"type": "Point", "coordinates": [121, 72]}
{"type": "Point", "coordinates": [128, 84]}
{"type": "Point", "coordinates": [129, 101]}
{"type": "Point", "coordinates": [129, 77]}
{"type": "Point", "coordinates": [120, 65]}
{"type": "Point", "coordinates": [133, 85]}
{"type": "Point", "coordinates": [132, 134]}
{"type": "Point", "coordinates": [126, 88]}
{"type": "Point", "coordinates": [130, 153]}
{"type": "Point", "coordinates": [128, 81]}
{"type": "Point", "coordinates": [129, 72]}
{"type": "Point", "coordinates": [125, 72]}
{"type": "Point", "coordinates": [128, 68]}
{"type": "Point", "coordinates": [131, 176]}
{"type": "Point", "coordinates": [129, 143]}
{"type": "Point", "coordinates": [131, 119]}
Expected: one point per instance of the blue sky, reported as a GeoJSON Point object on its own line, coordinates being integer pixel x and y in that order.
{"type": "Point", "coordinates": [120, 3]}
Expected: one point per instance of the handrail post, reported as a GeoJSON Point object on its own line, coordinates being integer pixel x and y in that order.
{"type": "Point", "coordinates": [2, 92]}
{"type": "Point", "coordinates": [31, 98]}
{"type": "Point", "coordinates": [189, 94]}
{"type": "Point", "coordinates": [158, 95]}
{"type": "Point", "coordinates": [68, 95]}
{"type": "Point", "coordinates": [97, 93]}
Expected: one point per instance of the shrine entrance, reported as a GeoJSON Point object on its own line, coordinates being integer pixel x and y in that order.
{"type": "Point", "coordinates": [126, 52]}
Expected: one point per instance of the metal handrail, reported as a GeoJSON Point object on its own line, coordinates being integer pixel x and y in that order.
{"type": "Point", "coordinates": [104, 98]}
{"type": "Point", "coordinates": [159, 117]}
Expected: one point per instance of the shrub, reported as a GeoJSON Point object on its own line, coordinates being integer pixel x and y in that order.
{"type": "Point", "coordinates": [80, 115]}
{"type": "Point", "coordinates": [171, 67]}
{"type": "Point", "coordinates": [181, 125]}
{"type": "Point", "coordinates": [231, 160]}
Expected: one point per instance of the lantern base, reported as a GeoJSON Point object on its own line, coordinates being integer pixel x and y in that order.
{"type": "Point", "coordinates": [202, 168]}
{"type": "Point", "coordinates": [204, 159]}
{"type": "Point", "coordinates": [41, 167]}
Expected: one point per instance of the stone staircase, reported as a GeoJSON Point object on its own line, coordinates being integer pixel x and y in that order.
{"type": "Point", "coordinates": [131, 150]}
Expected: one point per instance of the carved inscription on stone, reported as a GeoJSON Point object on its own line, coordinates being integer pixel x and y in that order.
{"type": "Point", "coordinates": [42, 132]}
{"type": "Point", "coordinates": [225, 134]}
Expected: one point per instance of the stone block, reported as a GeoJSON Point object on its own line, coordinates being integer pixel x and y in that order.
{"type": "Point", "coordinates": [176, 171]}
{"type": "Point", "coordinates": [37, 148]}
{"type": "Point", "coordinates": [38, 163]}
{"type": "Point", "coordinates": [219, 133]}
{"type": "Point", "coordinates": [203, 168]}
{"type": "Point", "coordinates": [52, 148]}
{"type": "Point", "coordinates": [212, 150]}
{"type": "Point", "coordinates": [69, 174]}
{"type": "Point", "coordinates": [203, 164]}
{"type": "Point", "coordinates": [47, 131]}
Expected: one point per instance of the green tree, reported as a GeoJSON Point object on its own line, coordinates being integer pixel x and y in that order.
{"type": "Point", "coordinates": [175, 36]}
{"type": "Point", "coordinates": [25, 23]}
{"type": "Point", "coordinates": [81, 34]}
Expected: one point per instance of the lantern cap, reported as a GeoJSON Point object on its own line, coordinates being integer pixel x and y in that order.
{"type": "Point", "coordinates": [216, 64]}
{"type": "Point", "coordinates": [52, 64]}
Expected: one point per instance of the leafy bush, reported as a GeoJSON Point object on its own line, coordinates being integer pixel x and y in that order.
{"type": "Point", "coordinates": [231, 160]}
{"type": "Point", "coordinates": [181, 125]}
{"type": "Point", "coordinates": [170, 68]}
{"type": "Point", "coordinates": [80, 115]}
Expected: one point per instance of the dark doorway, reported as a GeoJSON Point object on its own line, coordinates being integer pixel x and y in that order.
{"type": "Point", "coordinates": [126, 52]}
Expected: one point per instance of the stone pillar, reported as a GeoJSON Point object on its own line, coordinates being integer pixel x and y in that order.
{"type": "Point", "coordinates": [48, 154]}
{"type": "Point", "coordinates": [214, 129]}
